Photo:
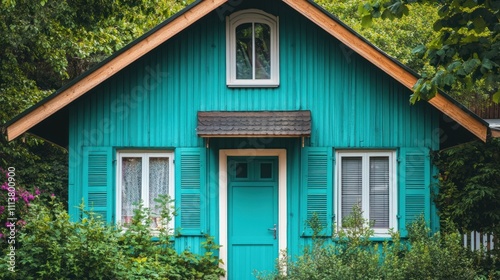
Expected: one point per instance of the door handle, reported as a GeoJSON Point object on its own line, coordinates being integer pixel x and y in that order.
{"type": "Point", "coordinates": [274, 229]}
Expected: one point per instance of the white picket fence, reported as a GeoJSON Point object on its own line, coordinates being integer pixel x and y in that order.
{"type": "Point", "coordinates": [475, 240]}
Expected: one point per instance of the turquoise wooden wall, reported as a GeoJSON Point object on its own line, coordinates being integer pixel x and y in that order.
{"type": "Point", "coordinates": [153, 103]}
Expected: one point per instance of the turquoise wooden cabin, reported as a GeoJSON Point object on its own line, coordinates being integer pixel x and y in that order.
{"type": "Point", "coordinates": [253, 115]}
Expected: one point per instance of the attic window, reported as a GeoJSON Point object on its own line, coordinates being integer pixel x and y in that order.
{"type": "Point", "coordinates": [252, 49]}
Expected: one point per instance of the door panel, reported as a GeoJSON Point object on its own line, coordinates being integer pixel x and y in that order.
{"type": "Point", "coordinates": [252, 215]}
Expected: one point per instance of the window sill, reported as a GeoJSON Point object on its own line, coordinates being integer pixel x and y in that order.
{"type": "Point", "coordinates": [252, 85]}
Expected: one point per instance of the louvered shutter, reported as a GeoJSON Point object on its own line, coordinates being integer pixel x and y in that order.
{"type": "Point", "coordinates": [414, 180]}
{"type": "Point", "coordinates": [98, 181]}
{"type": "Point", "coordinates": [190, 177]}
{"type": "Point", "coordinates": [317, 188]}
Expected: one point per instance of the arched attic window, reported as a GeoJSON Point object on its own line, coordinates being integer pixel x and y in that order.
{"type": "Point", "coordinates": [252, 49]}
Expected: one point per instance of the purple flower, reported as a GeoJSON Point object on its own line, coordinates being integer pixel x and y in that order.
{"type": "Point", "coordinates": [37, 191]}
{"type": "Point", "coordinates": [1, 209]}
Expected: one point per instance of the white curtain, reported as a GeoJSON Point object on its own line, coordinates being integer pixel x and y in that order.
{"type": "Point", "coordinates": [158, 181]}
{"type": "Point", "coordinates": [131, 186]}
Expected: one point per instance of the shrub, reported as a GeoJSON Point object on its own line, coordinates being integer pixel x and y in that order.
{"type": "Point", "coordinates": [15, 203]}
{"type": "Point", "coordinates": [469, 186]}
{"type": "Point", "coordinates": [350, 254]}
{"type": "Point", "coordinates": [53, 247]}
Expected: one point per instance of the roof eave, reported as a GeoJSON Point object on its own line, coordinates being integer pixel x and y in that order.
{"type": "Point", "coordinates": [400, 72]}
{"type": "Point", "coordinates": [110, 66]}
{"type": "Point", "coordinates": [200, 8]}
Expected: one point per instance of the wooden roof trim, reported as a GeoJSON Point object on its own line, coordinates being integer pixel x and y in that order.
{"type": "Point", "coordinates": [386, 64]}
{"type": "Point", "coordinates": [460, 116]}
{"type": "Point", "coordinates": [112, 67]}
{"type": "Point", "coordinates": [310, 11]}
{"type": "Point", "coordinates": [351, 40]}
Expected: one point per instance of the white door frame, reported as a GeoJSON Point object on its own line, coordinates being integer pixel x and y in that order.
{"type": "Point", "coordinates": [282, 202]}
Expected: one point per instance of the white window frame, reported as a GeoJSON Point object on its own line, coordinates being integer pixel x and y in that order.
{"type": "Point", "coordinates": [365, 207]}
{"type": "Point", "coordinates": [145, 155]}
{"type": "Point", "coordinates": [251, 16]}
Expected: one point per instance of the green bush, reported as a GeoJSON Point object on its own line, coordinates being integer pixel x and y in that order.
{"type": "Point", "coordinates": [352, 255]}
{"type": "Point", "coordinates": [50, 246]}
{"type": "Point", "coordinates": [469, 186]}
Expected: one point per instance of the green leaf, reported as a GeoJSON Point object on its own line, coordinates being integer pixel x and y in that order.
{"type": "Point", "coordinates": [366, 21]}
{"type": "Point", "coordinates": [364, 9]}
{"type": "Point", "coordinates": [496, 97]}
{"type": "Point", "coordinates": [414, 98]}
{"type": "Point", "coordinates": [438, 25]}
{"type": "Point", "coordinates": [397, 9]}
{"type": "Point", "coordinates": [470, 4]}
{"type": "Point", "coordinates": [419, 50]}
{"type": "Point", "coordinates": [449, 79]}
{"type": "Point", "coordinates": [487, 64]}
{"type": "Point", "coordinates": [470, 65]}
{"type": "Point", "coordinates": [443, 11]}
{"type": "Point", "coordinates": [453, 66]}
{"type": "Point", "coordinates": [386, 14]}
{"type": "Point", "coordinates": [479, 24]}
{"type": "Point", "coordinates": [405, 10]}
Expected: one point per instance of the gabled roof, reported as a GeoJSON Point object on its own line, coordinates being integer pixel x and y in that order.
{"type": "Point", "coordinates": [166, 30]}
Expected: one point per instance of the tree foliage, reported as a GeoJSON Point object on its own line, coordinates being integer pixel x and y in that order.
{"type": "Point", "coordinates": [466, 50]}
{"type": "Point", "coordinates": [397, 38]}
{"type": "Point", "coordinates": [50, 246]}
{"type": "Point", "coordinates": [46, 43]}
{"type": "Point", "coordinates": [469, 186]}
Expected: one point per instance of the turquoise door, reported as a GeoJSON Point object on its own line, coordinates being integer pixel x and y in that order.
{"type": "Point", "coordinates": [252, 216]}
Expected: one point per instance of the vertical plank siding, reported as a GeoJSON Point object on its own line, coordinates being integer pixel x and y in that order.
{"type": "Point", "coordinates": [154, 101]}
{"type": "Point", "coordinates": [153, 104]}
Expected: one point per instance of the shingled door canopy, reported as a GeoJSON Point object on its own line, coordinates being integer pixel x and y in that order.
{"type": "Point", "coordinates": [254, 124]}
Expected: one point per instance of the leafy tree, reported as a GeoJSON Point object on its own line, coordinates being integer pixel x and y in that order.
{"type": "Point", "coordinates": [397, 38]}
{"type": "Point", "coordinates": [469, 186]}
{"type": "Point", "coordinates": [466, 50]}
{"type": "Point", "coordinates": [46, 43]}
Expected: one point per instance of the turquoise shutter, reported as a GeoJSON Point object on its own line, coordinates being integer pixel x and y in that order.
{"type": "Point", "coordinates": [98, 181]}
{"type": "Point", "coordinates": [190, 177]}
{"type": "Point", "coordinates": [317, 188]}
{"type": "Point", "coordinates": [414, 180]}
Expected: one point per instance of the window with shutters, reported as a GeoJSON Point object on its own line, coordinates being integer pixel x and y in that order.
{"type": "Point", "coordinates": [252, 49]}
{"type": "Point", "coordinates": [367, 179]}
{"type": "Point", "coordinates": [143, 176]}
